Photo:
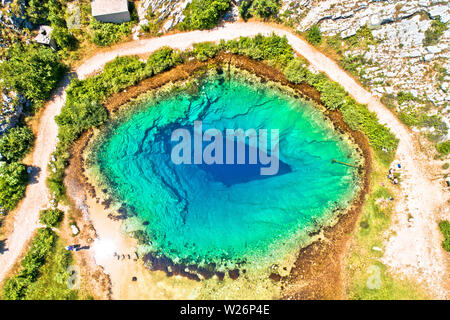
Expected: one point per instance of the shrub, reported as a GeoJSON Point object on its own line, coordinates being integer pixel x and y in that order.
{"type": "Point", "coordinates": [204, 14]}
{"type": "Point", "coordinates": [37, 11]}
{"type": "Point", "coordinates": [296, 71]}
{"type": "Point", "coordinates": [63, 38]}
{"type": "Point", "coordinates": [352, 63]}
{"type": "Point", "coordinates": [162, 60]}
{"type": "Point", "coordinates": [32, 70]}
{"type": "Point", "coordinates": [358, 117]}
{"type": "Point", "coordinates": [362, 38]}
{"type": "Point", "coordinates": [433, 34]}
{"type": "Point", "coordinates": [13, 181]}
{"type": "Point", "coordinates": [16, 143]}
{"type": "Point", "coordinates": [445, 229]}
{"type": "Point", "coordinates": [106, 34]}
{"type": "Point", "coordinates": [443, 148]}
{"type": "Point", "coordinates": [51, 217]}
{"type": "Point", "coordinates": [205, 50]}
{"type": "Point", "coordinates": [314, 36]}
{"type": "Point", "coordinates": [244, 9]}
{"type": "Point", "coordinates": [403, 97]}
{"type": "Point", "coordinates": [15, 288]}
{"type": "Point", "coordinates": [265, 8]}
{"type": "Point", "coordinates": [332, 95]}
{"type": "Point", "coordinates": [273, 48]}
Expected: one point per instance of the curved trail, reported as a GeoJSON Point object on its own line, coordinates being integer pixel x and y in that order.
{"type": "Point", "coordinates": [414, 250]}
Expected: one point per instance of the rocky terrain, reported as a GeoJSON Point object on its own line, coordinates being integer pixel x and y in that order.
{"type": "Point", "coordinates": [398, 61]}
{"type": "Point", "coordinates": [11, 26]}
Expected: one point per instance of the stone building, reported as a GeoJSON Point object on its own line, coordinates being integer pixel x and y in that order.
{"type": "Point", "coordinates": [115, 11]}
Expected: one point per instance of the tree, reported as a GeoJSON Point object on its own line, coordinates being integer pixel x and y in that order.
{"type": "Point", "coordinates": [63, 38]}
{"type": "Point", "coordinates": [204, 14]}
{"type": "Point", "coordinates": [162, 60]}
{"type": "Point", "coordinates": [32, 70]}
{"type": "Point", "coordinates": [265, 8]}
{"type": "Point", "coordinates": [56, 13]}
{"type": "Point", "coordinates": [37, 11]}
{"type": "Point", "coordinates": [16, 143]}
{"type": "Point", "coordinates": [51, 217]}
{"type": "Point", "coordinates": [77, 117]}
{"type": "Point", "coordinates": [13, 180]}
{"type": "Point", "coordinates": [314, 35]}
{"type": "Point", "coordinates": [244, 9]}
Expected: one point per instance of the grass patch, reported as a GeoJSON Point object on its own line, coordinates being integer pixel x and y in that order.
{"type": "Point", "coordinates": [445, 229]}
{"type": "Point", "coordinates": [434, 33]}
{"type": "Point", "coordinates": [54, 279]}
{"type": "Point", "coordinates": [368, 277]}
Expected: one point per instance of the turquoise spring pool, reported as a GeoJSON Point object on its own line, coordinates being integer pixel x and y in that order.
{"type": "Point", "coordinates": [199, 213]}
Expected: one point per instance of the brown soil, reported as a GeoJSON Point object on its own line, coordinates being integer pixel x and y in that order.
{"type": "Point", "coordinates": [93, 279]}
{"type": "Point", "coordinates": [317, 272]}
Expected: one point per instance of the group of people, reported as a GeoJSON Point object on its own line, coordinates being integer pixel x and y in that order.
{"type": "Point", "coordinates": [391, 176]}
{"type": "Point", "coordinates": [123, 256]}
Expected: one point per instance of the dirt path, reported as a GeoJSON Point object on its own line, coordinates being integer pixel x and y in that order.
{"type": "Point", "coordinates": [26, 219]}
{"type": "Point", "coordinates": [415, 249]}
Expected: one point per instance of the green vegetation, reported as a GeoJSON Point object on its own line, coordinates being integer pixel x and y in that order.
{"type": "Point", "coordinates": [106, 34]}
{"type": "Point", "coordinates": [354, 64]}
{"type": "Point", "coordinates": [52, 12]}
{"type": "Point", "coordinates": [44, 274]}
{"type": "Point", "coordinates": [204, 14]}
{"type": "Point", "coordinates": [433, 34]}
{"type": "Point", "coordinates": [84, 110]}
{"type": "Point", "coordinates": [16, 143]}
{"type": "Point", "coordinates": [369, 279]}
{"type": "Point", "coordinates": [32, 70]}
{"type": "Point", "coordinates": [162, 60]}
{"type": "Point", "coordinates": [443, 148]}
{"type": "Point", "coordinates": [358, 117]}
{"type": "Point", "coordinates": [51, 217]}
{"type": "Point", "coordinates": [54, 281]}
{"type": "Point", "coordinates": [403, 97]}
{"type": "Point", "coordinates": [296, 71]}
{"type": "Point", "coordinates": [205, 50]}
{"type": "Point", "coordinates": [314, 36]}
{"type": "Point", "coordinates": [259, 8]}
{"type": "Point", "coordinates": [63, 38]}
{"type": "Point", "coordinates": [15, 288]}
{"type": "Point", "coordinates": [362, 39]}
{"type": "Point", "coordinates": [273, 49]}
{"type": "Point", "coordinates": [13, 181]}
{"type": "Point", "coordinates": [445, 229]}
{"type": "Point", "coordinates": [37, 11]}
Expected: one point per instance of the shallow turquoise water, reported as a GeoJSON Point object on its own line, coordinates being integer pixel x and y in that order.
{"type": "Point", "coordinates": [219, 213]}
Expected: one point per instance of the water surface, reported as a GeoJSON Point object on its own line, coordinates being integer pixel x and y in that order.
{"type": "Point", "coordinates": [202, 213]}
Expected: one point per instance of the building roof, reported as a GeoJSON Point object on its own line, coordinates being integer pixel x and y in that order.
{"type": "Point", "coordinates": [105, 7]}
{"type": "Point", "coordinates": [44, 36]}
